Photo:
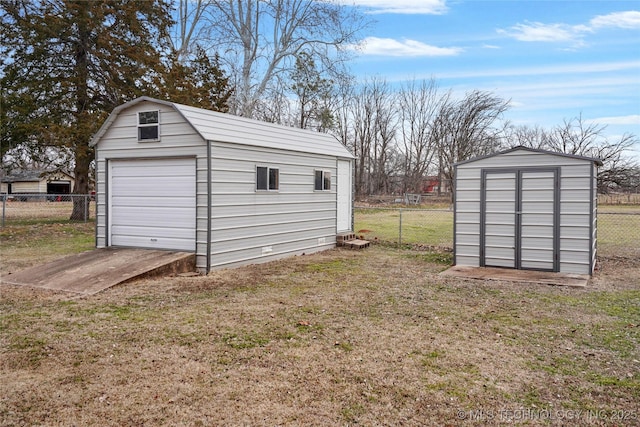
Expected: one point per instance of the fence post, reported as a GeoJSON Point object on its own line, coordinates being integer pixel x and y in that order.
{"type": "Point", "coordinates": [400, 230]}
{"type": "Point", "coordinates": [86, 208]}
{"type": "Point", "coordinates": [4, 207]}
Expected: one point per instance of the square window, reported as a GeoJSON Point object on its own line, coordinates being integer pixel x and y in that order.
{"type": "Point", "coordinates": [322, 181]}
{"type": "Point", "coordinates": [267, 178]}
{"type": "Point", "coordinates": [148, 126]}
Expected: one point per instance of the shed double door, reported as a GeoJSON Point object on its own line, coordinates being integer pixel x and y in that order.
{"type": "Point", "coordinates": [519, 219]}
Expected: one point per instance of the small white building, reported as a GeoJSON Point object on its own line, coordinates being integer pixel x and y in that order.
{"type": "Point", "coordinates": [233, 190]}
{"type": "Point", "coordinates": [36, 181]}
{"type": "Point", "coordinates": [526, 209]}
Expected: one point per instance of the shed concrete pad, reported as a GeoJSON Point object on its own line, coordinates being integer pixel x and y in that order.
{"type": "Point", "coordinates": [90, 272]}
{"type": "Point", "coordinates": [513, 275]}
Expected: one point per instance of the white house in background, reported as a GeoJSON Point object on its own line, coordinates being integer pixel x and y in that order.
{"type": "Point", "coordinates": [527, 209]}
{"type": "Point", "coordinates": [36, 181]}
{"type": "Point", "coordinates": [233, 190]}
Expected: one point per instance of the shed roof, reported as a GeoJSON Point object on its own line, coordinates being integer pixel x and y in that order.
{"type": "Point", "coordinates": [532, 150]}
{"type": "Point", "coordinates": [216, 126]}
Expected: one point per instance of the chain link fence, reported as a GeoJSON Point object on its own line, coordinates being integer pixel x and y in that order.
{"type": "Point", "coordinates": [618, 232]}
{"type": "Point", "coordinates": [29, 208]}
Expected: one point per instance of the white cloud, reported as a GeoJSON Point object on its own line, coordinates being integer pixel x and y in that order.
{"type": "Point", "coordinates": [539, 32]}
{"type": "Point", "coordinates": [570, 69]}
{"type": "Point", "coordinates": [404, 48]}
{"type": "Point", "coordinates": [417, 7]}
{"type": "Point", "coordinates": [627, 20]}
{"type": "Point", "coordinates": [633, 119]}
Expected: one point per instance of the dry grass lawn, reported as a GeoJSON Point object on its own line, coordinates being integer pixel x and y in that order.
{"type": "Point", "coordinates": [371, 337]}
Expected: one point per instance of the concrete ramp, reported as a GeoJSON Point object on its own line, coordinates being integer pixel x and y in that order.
{"type": "Point", "coordinates": [90, 272]}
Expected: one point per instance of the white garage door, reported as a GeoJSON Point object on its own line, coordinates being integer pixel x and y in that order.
{"type": "Point", "coordinates": [153, 203]}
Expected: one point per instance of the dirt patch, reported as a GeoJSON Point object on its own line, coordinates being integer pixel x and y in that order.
{"type": "Point", "coordinates": [343, 337]}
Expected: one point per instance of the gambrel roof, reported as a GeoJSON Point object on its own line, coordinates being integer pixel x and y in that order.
{"type": "Point", "coordinates": [216, 126]}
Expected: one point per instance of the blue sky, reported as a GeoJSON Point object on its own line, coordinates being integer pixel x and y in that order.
{"type": "Point", "coordinates": [553, 59]}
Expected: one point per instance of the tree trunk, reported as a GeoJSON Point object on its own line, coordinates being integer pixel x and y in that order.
{"type": "Point", "coordinates": [81, 186]}
{"type": "Point", "coordinates": [83, 153]}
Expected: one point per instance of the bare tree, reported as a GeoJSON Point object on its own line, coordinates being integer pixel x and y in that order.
{"type": "Point", "coordinates": [419, 103]}
{"type": "Point", "coordinates": [526, 136]}
{"type": "Point", "coordinates": [374, 125]}
{"type": "Point", "coordinates": [466, 128]}
{"type": "Point", "coordinates": [189, 28]}
{"type": "Point", "coordinates": [581, 138]}
{"type": "Point", "coordinates": [260, 40]}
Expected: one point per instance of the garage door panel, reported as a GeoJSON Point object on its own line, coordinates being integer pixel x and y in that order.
{"type": "Point", "coordinates": [164, 217]}
{"type": "Point", "coordinates": [175, 202]}
{"type": "Point", "coordinates": [153, 203]}
{"type": "Point", "coordinates": [177, 244]}
{"type": "Point", "coordinates": [155, 232]}
{"type": "Point", "coordinates": [148, 186]}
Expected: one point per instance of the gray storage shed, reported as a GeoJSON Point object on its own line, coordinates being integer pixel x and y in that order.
{"type": "Point", "coordinates": [232, 190]}
{"type": "Point", "coordinates": [526, 209]}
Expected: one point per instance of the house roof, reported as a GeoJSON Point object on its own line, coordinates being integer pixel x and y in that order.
{"type": "Point", "coordinates": [19, 175]}
{"type": "Point", "coordinates": [30, 175]}
{"type": "Point", "coordinates": [532, 150]}
{"type": "Point", "coordinates": [216, 126]}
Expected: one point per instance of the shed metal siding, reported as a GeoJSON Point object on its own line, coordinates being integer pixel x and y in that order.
{"type": "Point", "coordinates": [250, 226]}
{"type": "Point", "coordinates": [576, 216]}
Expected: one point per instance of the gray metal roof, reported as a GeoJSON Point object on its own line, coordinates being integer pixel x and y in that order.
{"type": "Point", "coordinates": [216, 126]}
{"type": "Point", "coordinates": [532, 150]}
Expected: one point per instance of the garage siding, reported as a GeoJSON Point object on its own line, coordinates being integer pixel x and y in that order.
{"type": "Point", "coordinates": [577, 204]}
{"type": "Point", "coordinates": [249, 226]}
{"type": "Point", "coordinates": [177, 139]}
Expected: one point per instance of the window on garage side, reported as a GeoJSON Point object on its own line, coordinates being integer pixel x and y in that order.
{"type": "Point", "coordinates": [267, 178]}
{"type": "Point", "coordinates": [149, 126]}
{"type": "Point", "coordinates": [322, 181]}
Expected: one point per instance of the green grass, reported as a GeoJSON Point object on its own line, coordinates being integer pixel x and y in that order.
{"type": "Point", "coordinates": [617, 234]}
{"type": "Point", "coordinates": [426, 227]}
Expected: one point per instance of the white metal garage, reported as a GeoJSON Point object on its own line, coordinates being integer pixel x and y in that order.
{"type": "Point", "coordinates": [152, 203]}
{"type": "Point", "coordinates": [526, 209]}
{"type": "Point", "coordinates": [233, 190]}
